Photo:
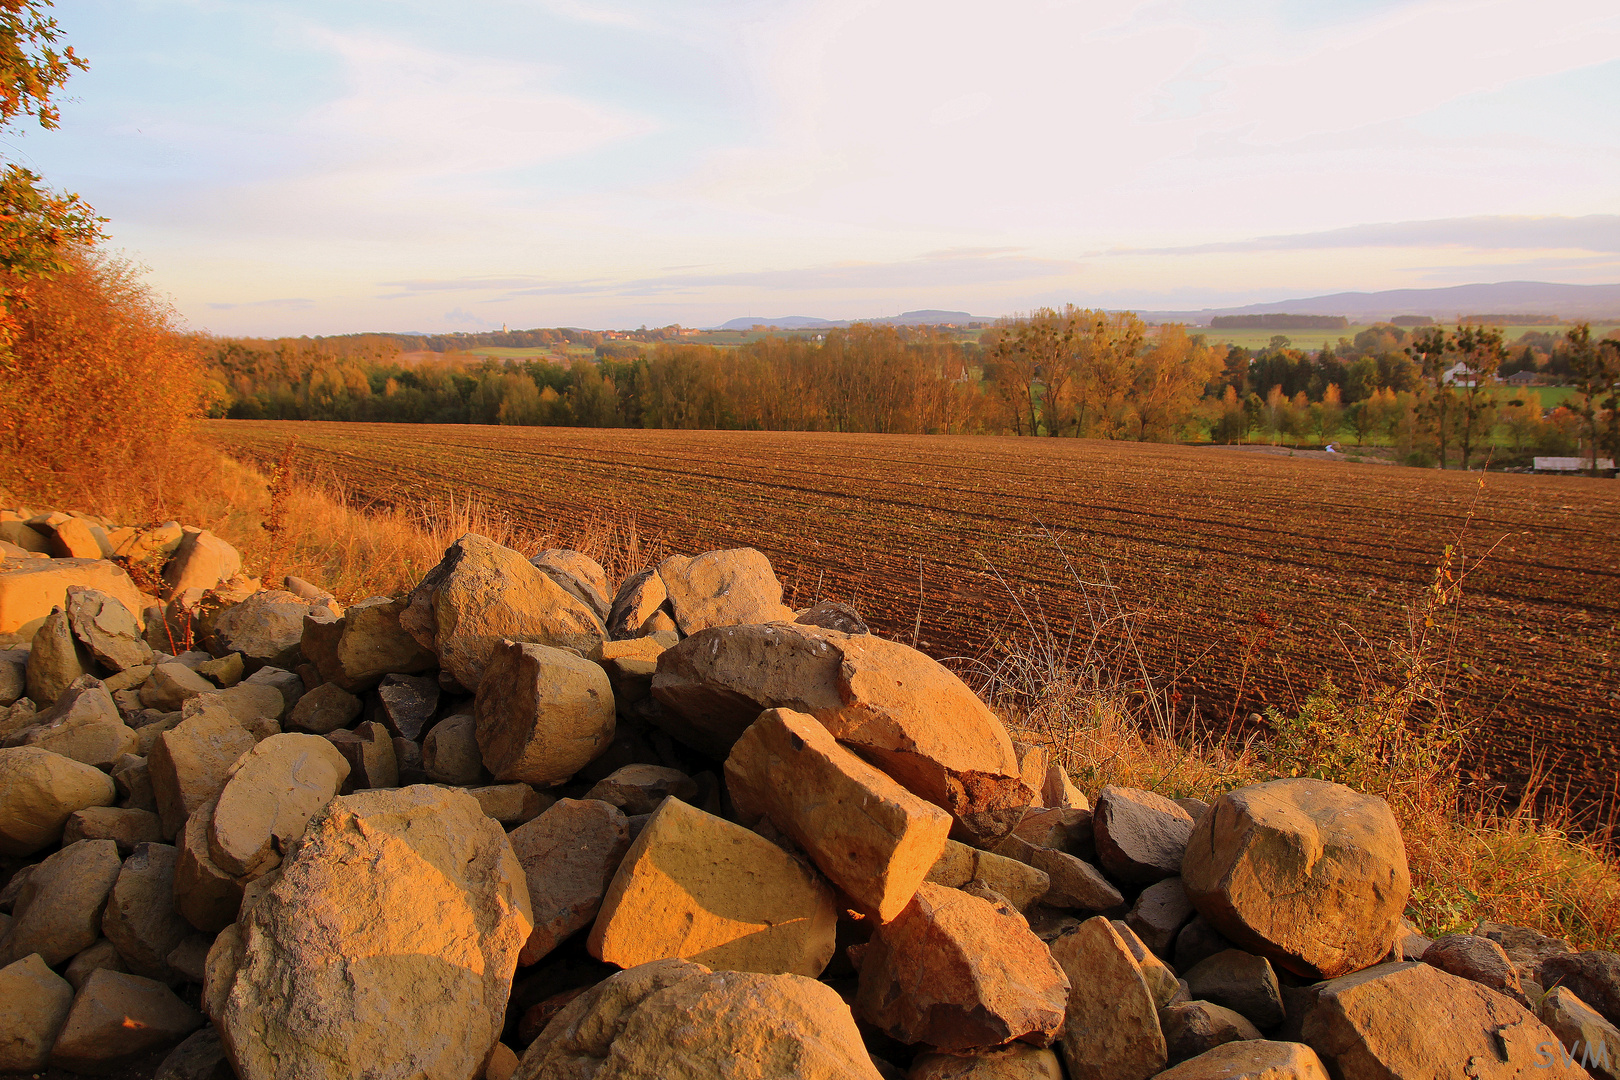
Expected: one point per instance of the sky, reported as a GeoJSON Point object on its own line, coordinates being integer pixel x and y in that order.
{"type": "Point", "coordinates": [284, 167]}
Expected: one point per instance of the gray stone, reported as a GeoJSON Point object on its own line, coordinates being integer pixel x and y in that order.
{"type": "Point", "coordinates": [1159, 913]}
{"type": "Point", "coordinates": [288, 682]}
{"type": "Point", "coordinates": [323, 710]}
{"type": "Point", "coordinates": [200, 1057]}
{"type": "Point", "coordinates": [450, 753]}
{"type": "Point", "coordinates": [369, 750]}
{"type": "Point", "coordinates": [832, 615]}
{"type": "Point", "coordinates": [1594, 977]}
{"type": "Point", "coordinates": [1240, 981]}
{"type": "Point", "coordinates": [106, 629]}
{"type": "Point", "coordinates": [406, 704]}
{"type": "Point", "coordinates": [267, 629]}
{"type": "Point", "coordinates": [1479, 959]}
{"type": "Point", "coordinates": [140, 918]}
{"type": "Point", "coordinates": [1140, 835]}
{"type": "Point", "coordinates": [171, 686]}
{"type": "Point", "coordinates": [1196, 1027]}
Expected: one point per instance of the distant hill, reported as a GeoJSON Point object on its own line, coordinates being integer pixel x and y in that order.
{"type": "Point", "coordinates": [1566, 301]}
{"type": "Point", "coordinates": [929, 317]}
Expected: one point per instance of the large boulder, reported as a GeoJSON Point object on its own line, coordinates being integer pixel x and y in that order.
{"type": "Point", "coordinates": [722, 588]}
{"type": "Point", "coordinates": [569, 855]}
{"type": "Point", "coordinates": [542, 713]}
{"type": "Point", "coordinates": [34, 1003]}
{"type": "Point", "coordinates": [482, 594]}
{"type": "Point", "coordinates": [870, 836]}
{"type": "Point", "coordinates": [1309, 874]}
{"type": "Point", "coordinates": [366, 643]}
{"type": "Point", "coordinates": [1414, 1021]}
{"type": "Point", "coordinates": [958, 971]}
{"type": "Point", "coordinates": [697, 887]}
{"type": "Point", "coordinates": [59, 907]}
{"type": "Point", "coordinates": [675, 1020]}
{"type": "Point", "coordinates": [201, 561]}
{"type": "Point", "coordinates": [39, 791]}
{"type": "Point", "coordinates": [1111, 1029]}
{"type": "Point", "coordinates": [895, 707]}
{"type": "Point", "coordinates": [266, 629]}
{"type": "Point", "coordinates": [30, 588]}
{"type": "Point", "coordinates": [384, 947]}
{"type": "Point", "coordinates": [1479, 959]}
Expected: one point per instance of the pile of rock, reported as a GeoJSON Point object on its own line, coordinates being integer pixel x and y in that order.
{"type": "Point", "coordinates": [521, 823]}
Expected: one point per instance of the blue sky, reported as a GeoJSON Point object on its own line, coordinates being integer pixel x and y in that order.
{"type": "Point", "coordinates": [287, 167]}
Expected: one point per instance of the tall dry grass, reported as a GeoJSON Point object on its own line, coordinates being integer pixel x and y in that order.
{"type": "Point", "coordinates": [1078, 685]}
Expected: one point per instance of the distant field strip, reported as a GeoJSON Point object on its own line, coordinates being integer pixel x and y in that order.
{"type": "Point", "coordinates": [1248, 568]}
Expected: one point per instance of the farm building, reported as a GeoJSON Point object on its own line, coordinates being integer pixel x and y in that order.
{"type": "Point", "coordinates": [1522, 378]}
{"type": "Point", "coordinates": [1573, 465]}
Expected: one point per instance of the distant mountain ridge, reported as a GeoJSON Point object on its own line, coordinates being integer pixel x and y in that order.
{"type": "Point", "coordinates": [927, 317]}
{"type": "Point", "coordinates": [1449, 302]}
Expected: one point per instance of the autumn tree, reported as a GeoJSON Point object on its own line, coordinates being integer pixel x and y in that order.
{"type": "Point", "coordinates": [1428, 351]}
{"type": "Point", "coordinates": [1596, 370]}
{"type": "Point", "coordinates": [1481, 350]}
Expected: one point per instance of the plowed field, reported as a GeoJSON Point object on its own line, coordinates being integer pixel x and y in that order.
{"type": "Point", "coordinates": [1247, 568]}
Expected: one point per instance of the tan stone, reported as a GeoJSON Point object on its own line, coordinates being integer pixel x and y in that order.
{"type": "Point", "coordinates": [117, 1018]}
{"type": "Point", "coordinates": [55, 660]}
{"type": "Point", "coordinates": [103, 954]}
{"type": "Point", "coordinates": [147, 545]}
{"type": "Point", "coordinates": [1584, 1034]}
{"type": "Point", "coordinates": [373, 763]}
{"type": "Point", "coordinates": [249, 702]}
{"type": "Point", "coordinates": [1059, 792]}
{"type": "Point", "coordinates": [482, 594]}
{"type": "Point", "coordinates": [84, 725]}
{"type": "Point", "coordinates": [128, 827]}
{"type": "Point", "coordinates": [1416, 1022]}
{"type": "Point", "coordinates": [201, 561]}
{"type": "Point", "coordinates": [630, 667]}
{"type": "Point", "coordinates": [225, 672]}
{"type": "Point", "coordinates": [1015, 1062]}
{"type": "Point", "coordinates": [960, 865]}
{"type": "Point", "coordinates": [870, 836]}
{"type": "Point", "coordinates": [266, 628]}
{"type": "Point", "coordinates": [1479, 959]}
{"type": "Point", "coordinates": [34, 1003]}
{"type": "Point", "coordinates": [1161, 981]}
{"type": "Point", "coordinates": [323, 710]}
{"type": "Point", "coordinates": [1309, 874]}
{"type": "Point", "coordinates": [569, 856]}
{"type": "Point", "coordinates": [723, 588]}
{"type": "Point", "coordinates": [270, 794]}
{"type": "Point", "coordinates": [204, 894]}
{"type": "Point", "coordinates": [355, 652]}
{"type": "Point", "coordinates": [1076, 884]}
{"type": "Point", "coordinates": [641, 597]}
{"type": "Point", "coordinates": [673, 1020]}
{"type": "Point", "coordinates": [450, 753]}
{"type": "Point", "coordinates": [1240, 981]}
{"type": "Point", "coordinates": [1252, 1060]}
{"type": "Point", "coordinates": [1111, 1030]}
{"type": "Point", "coordinates": [30, 588]}
{"type": "Point", "coordinates": [140, 918]}
{"type": "Point", "coordinates": [957, 971]}
{"type": "Point", "coordinates": [67, 537]}
{"type": "Point", "coordinates": [16, 531]}
{"type": "Point", "coordinates": [502, 1064]}
{"type": "Point", "coordinates": [58, 910]}
{"type": "Point", "coordinates": [189, 762]}
{"type": "Point", "coordinates": [510, 804]}
{"type": "Point", "coordinates": [701, 888]}
{"type": "Point", "coordinates": [895, 707]}
{"type": "Point", "coordinates": [384, 947]}
{"type": "Point", "coordinates": [579, 575]}
{"type": "Point", "coordinates": [543, 713]}
{"type": "Point", "coordinates": [39, 791]}
{"type": "Point", "coordinates": [171, 686]}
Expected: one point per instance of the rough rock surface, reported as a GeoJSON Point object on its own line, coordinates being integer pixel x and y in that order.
{"type": "Point", "coordinates": [1242, 982]}
{"type": "Point", "coordinates": [267, 629]}
{"type": "Point", "coordinates": [638, 789]}
{"type": "Point", "coordinates": [870, 836]}
{"type": "Point", "coordinates": [957, 971]}
{"type": "Point", "coordinates": [895, 707]}
{"type": "Point", "coordinates": [1251, 1060]}
{"type": "Point", "coordinates": [579, 575]}
{"type": "Point", "coordinates": [959, 865]}
{"type": "Point", "coordinates": [1309, 874]}
{"type": "Point", "coordinates": [323, 710]}
{"type": "Point", "coordinates": [401, 912]}
{"type": "Point", "coordinates": [722, 588]}
{"type": "Point", "coordinates": [1140, 835]}
{"type": "Point", "coordinates": [107, 629]}
{"type": "Point", "coordinates": [58, 910]}
{"type": "Point", "coordinates": [450, 753]}
{"type": "Point", "coordinates": [201, 561]}
{"type": "Point", "coordinates": [1594, 976]}
{"type": "Point", "coordinates": [542, 713]}
{"type": "Point", "coordinates": [270, 794]}
{"type": "Point", "coordinates": [1412, 1020]}
{"type": "Point", "coordinates": [1479, 959]}
{"type": "Point", "coordinates": [674, 1020]}
{"type": "Point", "coordinates": [30, 588]}
{"type": "Point", "coordinates": [1111, 1030]}
{"type": "Point", "coordinates": [569, 855]}
{"type": "Point", "coordinates": [205, 895]}
{"type": "Point", "coordinates": [697, 887]}
{"type": "Point", "coordinates": [1588, 1038]}
{"type": "Point", "coordinates": [1015, 1062]}
{"type": "Point", "coordinates": [482, 594]}
{"type": "Point", "coordinates": [140, 918]}
{"type": "Point", "coordinates": [189, 763]}
{"type": "Point", "coordinates": [39, 791]}
{"type": "Point", "coordinates": [1196, 1027]}
{"type": "Point", "coordinates": [118, 1017]}
{"type": "Point", "coordinates": [34, 1003]}
{"type": "Point", "coordinates": [355, 651]}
